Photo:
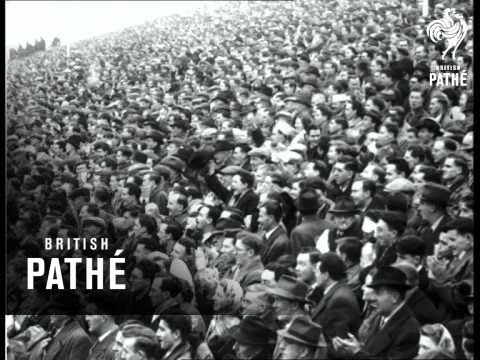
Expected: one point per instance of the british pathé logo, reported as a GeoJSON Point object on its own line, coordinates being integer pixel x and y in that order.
{"type": "Point", "coordinates": [452, 28]}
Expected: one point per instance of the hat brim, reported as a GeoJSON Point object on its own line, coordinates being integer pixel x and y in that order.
{"type": "Point", "coordinates": [376, 285]}
{"type": "Point", "coordinates": [285, 294]}
{"type": "Point", "coordinates": [344, 212]}
{"type": "Point", "coordinates": [243, 338]}
{"type": "Point", "coordinates": [285, 334]}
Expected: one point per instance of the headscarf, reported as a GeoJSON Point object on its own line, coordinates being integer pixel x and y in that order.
{"type": "Point", "coordinates": [440, 335]}
{"type": "Point", "coordinates": [233, 296]}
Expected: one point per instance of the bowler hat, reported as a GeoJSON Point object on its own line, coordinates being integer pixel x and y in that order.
{"type": "Point", "coordinates": [400, 185]}
{"type": "Point", "coordinates": [230, 218]}
{"type": "Point", "coordinates": [300, 97]}
{"type": "Point", "coordinates": [344, 205]}
{"type": "Point", "coordinates": [95, 220]}
{"type": "Point", "coordinates": [79, 192]}
{"type": "Point", "coordinates": [435, 194]}
{"type": "Point", "coordinates": [390, 277]}
{"type": "Point", "coordinates": [67, 301]}
{"type": "Point", "coordinates": [304, 331]}
{"type": "Point", "coordinates": [308, 200]}
{"type": "Point", "coordinates": [199, 159]}
{"type": "Point", "coordinates": [173, 162]}
{"type": "Point", "coordinates": [289, 287]}
{"type": "Point", "coordinates": [251, 331]}
{"type": "Point", "coordinates": [431, 125]}
{"type": "Point", "coordinates": [224, 145]}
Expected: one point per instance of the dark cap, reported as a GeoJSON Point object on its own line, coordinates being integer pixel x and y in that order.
{"type": "Point", "coordinates": [435, 194]}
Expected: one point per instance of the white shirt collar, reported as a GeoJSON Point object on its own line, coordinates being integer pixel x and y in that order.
{"type": "Point", "coordinates": [327, 289]}
{"type": "Point", "coordinates": [103, 336]}
{"type": "Point", "coordinates": [270, 232]}
{"type": "Point", "coordinates": [387, 318]}
{"type": "Point", "coordinates": [436, 223]}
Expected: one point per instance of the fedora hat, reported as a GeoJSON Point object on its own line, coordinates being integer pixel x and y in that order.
{"type": "Point", "coordinates": [344, 205]}
{"type": "Point", "coordinates": [304, 331]}
{"type": "Point", "coordinates": [390, 277]}
{"type": "Point", "coordinates": [67, 301]}
{"type": "Point", "coordinates": [95, 220]}
{"type": "Point", "coordinates": [291, 288]}
{"type": "Point", "coordinates": [435, 194]}
{"type": "Point", "coordinates": [308, 200]}
{"type": "Point", "coordinates": [251, 331]}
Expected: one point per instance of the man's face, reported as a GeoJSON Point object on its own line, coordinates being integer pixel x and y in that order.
{"type": "Point", "coordinates": [449, 170]}
{"type": "Point", "coordinates": [219, 299]}
{"type": "Point", "coordinates": [435, 107]}
{"type": "Point", "coordinates": [165, 335]}
{"type": "Point", "coordinates": [332, 154]}
{"type": "Point", "coordinates": [293, 350]}
{"type": "Point", "coordinates": [239, 156]}
{"type": "Point", "coordinates": [334, 127]}
{"type": "Point", "coordinates": [179, 251]}
{"type": "Point", "coordinates": [384, 301]}
{"type": "Point", "coordinates": [242, 252]}
{"type": "Point", "coordinates": [344, 221]}
{"type": "Point", "coordinates": [237, 184]}
{"type": "Point", "coordinates": [369, 174]}
{"type": "Point", "coordinates": [384, 235]}
{"type": "Point", "coordinates": [439, 152]}
{"type": "Point", "coordinates": [57, 320]}
{"type": "Point", "coordinates": [309, 170]}
{"type": "Point", "coordinates": [283, 308]}
{"type": "Point", "coordinates": [415, 99]}
{"type": "Point", "coordinates": [304, 268]}
{"type": "Point", "coordinates": [253, 304]}
{"type": "Point", "coordinates": [265, 220]}
{"type": "Point", "coordinates": [227, 245]}
{"type": "Point", "coordinates": [94, 323]}
{"type": "Point", "coordinates": [128, 220]}
{"type": "Point", "coordinates": [157, 296]}
{"type": "Point", "coordinates": [459, 242]}
{"type": "Point", "coordinates": [314, 137]}
{"type": "Point", "coordinates": [140, 252]}
{"type": "Point", "coordinates": [411, 259]}
{"type": "Point", "coordinates": [410, 159]}
{"type": "Point", "coordinates": [340, 174]}
{"type": "Point", "coordinates": [358, 194]}
{"type": "Point", "coordinates": [123, 348]}
{"type": "Point", "coordinates": [173, 206]}
{"type": "Point", "coordinates": [203, 218]}
{"type": "Point", "coordinates": [137, 281]}
{"type": "Point", "coordinates": [391, 173]}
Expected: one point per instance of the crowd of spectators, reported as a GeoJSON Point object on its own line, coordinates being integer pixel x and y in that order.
{"type": "Point", "coordinates": [283, 180]}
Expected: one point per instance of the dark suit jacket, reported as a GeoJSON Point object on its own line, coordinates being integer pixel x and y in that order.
{"type": "Point", "coordinates": [307, 233]}
{"type": "Point", "coordinates": [276, 245]}
{"type": "Point", "coordinates": [338, 312]}
{"type": "Point", "coordinates": [398, 339]}
{"type": "Point", "coordinates": [103, 350]}
{"type": "Point", "coordinates": [425, 311]}
{"type": "Point", "coordinates": [249, 274]}
{"type": "Point", "coordinates": [247, 202]}
{"type": "Point", "coordinates": [72, 342]}
{"type": "Point", "coordinates": [431, 237]}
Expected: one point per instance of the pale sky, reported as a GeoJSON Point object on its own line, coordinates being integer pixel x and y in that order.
{"type": "Point", "coordinates": [77, 20]}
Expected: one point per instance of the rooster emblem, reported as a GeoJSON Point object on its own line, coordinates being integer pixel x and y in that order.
{"type": "Point", "coordinates": [452, 28]}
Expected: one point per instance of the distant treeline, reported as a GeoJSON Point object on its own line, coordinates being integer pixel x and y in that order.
{"type": "Point", "coordinates": [30, 49]}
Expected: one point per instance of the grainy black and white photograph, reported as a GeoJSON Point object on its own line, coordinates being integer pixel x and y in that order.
{"type": "Point", "coordinates": [239, 180]}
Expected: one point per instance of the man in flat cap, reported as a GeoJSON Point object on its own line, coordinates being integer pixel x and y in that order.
{"type": "Point", "coordinates": [433, 210]}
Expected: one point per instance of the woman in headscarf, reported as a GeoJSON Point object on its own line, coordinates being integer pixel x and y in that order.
{"type": "Point", "coordinates": [226, 303]}
{"type": "Point", "coordinates": [435, 337]}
